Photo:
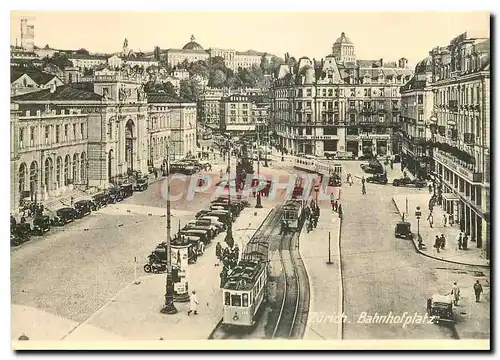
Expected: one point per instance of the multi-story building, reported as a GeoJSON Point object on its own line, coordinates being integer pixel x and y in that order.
{"type": "Point", "coordinates": [25, 80]}
{"type": "Point", "coordinates": [159, 134]}
{"type": "Point", "coordinates": [461, 91]}
{"type": "Point", "coordinates": [179, 126]}
{"type": "Point", "coordinates": [260, 113]}
{"type": "Point", "coordinates": [233, 59]}
{"type": "Point", "coordinates": [80, 135]}
{"type": "Point", "coordinates": [338, 104]}
{"type": "Point", "coordinates": [236, 114]}
{"type": "Point", "coordinates": [209, 107]}
{"type": "Point", "coordinates": [417, 106]}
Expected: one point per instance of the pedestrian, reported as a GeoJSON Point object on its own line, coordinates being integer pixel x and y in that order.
{"type": "Point", "coordinates": [430, 189]}
{"type": "Point", "coordinates": [430, 218]}
{"type": "Point", "coordinates": [437, 243]}
{"type": "Point", "coordinates": [236, 252]}
{"type": "Point", "coordinates": [72, 199]}
{"type": "Point", "coordinates": [442, 241]}
{"type": "Point", "coordinates": [221, 174]}
{"type": "Point", "coordinates": [363, 180]}
{"type": "Point", "coordinates": [478, 289]}
{"type": "Point", "coordinates": [451, 220]}
{"type": "Point", "coordinates": [218, 253]}
{"type": "Point", "coordinates": [445, 220]}
{"type": "Point", "coordinates": [459, 242]}
{"type": "Point", "coordinates": [392, 164]}
{"type": "Point", "coordinates": [455, 293]}
{"type": "Point", "coordinates": [193, 304]}
{"type": "Point", "coordinates": [340, 211]}
{"type": "Point", "coordinates": [464, 242]}
{"type": "Point", "coordinates": [363, 189]}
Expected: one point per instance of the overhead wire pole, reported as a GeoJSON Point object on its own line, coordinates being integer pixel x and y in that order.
{"type": "Point", "coordinates": [169, 307]}
{"type": "Point", "coordinates": [259, 200]}
{"type": "Point", "coordinates": [229, 233]}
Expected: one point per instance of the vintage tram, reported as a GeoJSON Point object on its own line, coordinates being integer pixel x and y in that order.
{"type": "Point", "coordinates": [293, 213]}
{"type": "Point", "coordinates": [243, 292]}
{"type": "Point", "coordinates": [312, 165]}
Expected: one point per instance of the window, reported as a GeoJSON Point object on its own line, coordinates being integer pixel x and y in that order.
{"type": "Point", "coordinates": [110, 128]}
{"type": "Point", "coordinates": [308, 117]}
{"type": "Point", "coordinates": [324, 92]}
{"type": "Point", "coordinates": [420, 99]}
{"type": "Point", "coordinates": [336, 92]}
{"type": "Point", "coordinates": [420, 133]}
{"type": "Point", "coordinates": [300, 93]}
{"type": "Point", "coordinates": [66, 132]}
{"type": "Point", "coordinates": [233, 106]}
{"type": "Point", "coordinates": [32, 136]}
{"type": "Point", "coordinates": [367, 92]}
{"type": "Point", "coordinates": [341, 92]}
{"type": "Point", "coordinates": [47, 134]}
{"type": "Point", "coordinates": [235, 300]}
{"type": "Point", "coordinates": [245, 119]}
{"type": "Point", "coordinates": [233, 112]}
{"type": "Point", "coordinates": [330, 131]}
{"type": "Point", "coordinates": [74, 131]}
{"type": "Point", "coordinates": [381, 92]}
{"type": "Point", "coordinates": [21, 137]}
{"type": "Point", "coordinates": [245, 300]}
{"type": "Point", "coordinates": [353, 92]}
{"type": "Point", "coordinates": [245, 106]}
{"type": "Point", "coordinates": [309, 92]}
{"type": "Point", "coordinates": [421, 116]}
{"type": "Point", "coordinates": [227, 297]}
{"type": "Point", "coordinates": [82, 130]}
{"type": "Point", "coordinates": [57, 134]}
{"type": "Point", "coordinates": [245, 112]}
{"type": "Point", "coordinates": [352, 104]}
{"type": "Point", "coordinates": [330, 92]}
{"type": "Point", "coordinates": [381, 119]}
{"type": "Point", "coordinates": [308, 104]}
{"type": "Point", "coordinates": [308, 131]}
{"type": "Point", "coordinates": [352, 117]}
{"type": "Point", "coordinates": [233, 119]}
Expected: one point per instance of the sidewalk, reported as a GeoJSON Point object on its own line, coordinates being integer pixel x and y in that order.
{"type": "Point", "coordinates": [325, 281]}
{"type": "Point", "coordinates": [134, 313]}
{"type": "Point", "coordinates": [471, 256]}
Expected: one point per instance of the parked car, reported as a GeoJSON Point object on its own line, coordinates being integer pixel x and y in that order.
{"type": "Point", "coordinates": [65, 215]}
{"type": "Point", "coordinates": [127, 190]}
{"type": "Point", "coordinates": [377, 179]}
{"type": "Point", "coordinates": [41, 224]}
{"type": "Point", "coordinates": [83, 208]}
{"type": "Point", "coordinates": [406, 181]}
{"type": "Point", "coordinates": [403, 230]}
{"type": "Point", "coordinates": [141, 184]}
{"type": "Point", "coordinates": [373, 167]}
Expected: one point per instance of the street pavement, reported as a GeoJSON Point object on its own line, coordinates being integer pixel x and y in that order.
{"type": "Point", "coordinates": [383, 275]}
{"type": "Point", "coordinates": [324, 279]}
{"type": "Point", "coordinates": [451, 253]}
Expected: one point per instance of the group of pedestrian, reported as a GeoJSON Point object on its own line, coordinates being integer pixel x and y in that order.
{"type": "Point", "coordinates": [349, 179]}
{"type": "Point", "coordinates": [448, 219]}
{"type": "Point", "coordinates": [455, 292]}
{"type": "Point", "coordinates": [336, 206]}
{"type": "Point", "coordinates": [462, 241]}
{"type": "Point", "coordinates": [439, 242]}
{"type": "Point", "coordinates": [229, 258]}
{"type": "Point", "coordinates": [311, 216]}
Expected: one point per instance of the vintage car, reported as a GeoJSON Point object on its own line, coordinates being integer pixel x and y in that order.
{"type": "Point", "coordinates": [141, 184]}
{"type": "Point", "coordinates": [377, 179]}
{"type": "Point", "coordinates": [21, 233]}
{"type": "Point", "coordinates": [201, 213]}
{"type": "Point", "coordinates": [182, 167]}
{"type": "Point", "coordinates": [403, 230]}
{"type": "Point", "coordinates": [83, 208]}
{"type": "Point", "coordinates": [440, 308]}
{"type": "Point", "coordinates": [65, 215]}
{"type": "Point", "coordinates": [214, 221]}
{"type": "Point", "coordinates": [239, 198]}
{"type": "Point", "coordinates": [99, 200]}
{"type": "Point", "coordinates": [41, 224]}
{"type": "Point", "coordinates": [406, 181]}
{"type": "Point", "coordinates": [203, 234]}
{"type": "Point", "coordinates": [203, 225]}
{"type": "Point", "coordinates": [366, 157]}
{"type": "Point", "coordinates": [373, 167]}
{"type": "Point", "coordinates": [235, 208]}
{"type": "Point", "coordinates": [224, 216]}
{"type": "Point", "coordinates": [127, 190]}
{"type": "Point", "coordinates": [115, 194]}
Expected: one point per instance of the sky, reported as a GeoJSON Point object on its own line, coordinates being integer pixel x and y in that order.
{"type": "Point", "coordinates": [375, 34]}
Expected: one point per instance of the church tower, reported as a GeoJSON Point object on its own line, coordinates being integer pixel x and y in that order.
{"type": "Point", "coordinates": [125, 47]}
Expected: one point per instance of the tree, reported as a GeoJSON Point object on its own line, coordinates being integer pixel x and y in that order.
{"type": "Point", "coordinates": [274, 64]}
{"type": "Point", "coordinates": [189, 90]}
{"type": "Point", "coordinates": [217, 79]}
{"type": "Point", "coordinates": [59, 59]}
{"type": "Point", "coordinates": [199, 68]}
{"type": "Point", "coordinates": [170, 90]}
{"type": "Point", "coordinates": [264, 64]}
{"type": "Point", "coordinates": [82, 51]}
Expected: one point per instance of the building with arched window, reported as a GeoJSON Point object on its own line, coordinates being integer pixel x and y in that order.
{"type": "Point", "coordinates": [339, 103]}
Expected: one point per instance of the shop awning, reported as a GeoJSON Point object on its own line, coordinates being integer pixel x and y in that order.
{"type": "Point", "coordinates": [450, 196]}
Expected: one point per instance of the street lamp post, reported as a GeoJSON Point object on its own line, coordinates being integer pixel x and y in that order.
{"type": "Point", "coordinates": [168, 307]}
{"type": "Point", "coordinates": [259, 200]}
{"type": "Point", "coordinates": [418, 214]}
{"type": "Point", "coordinates": [267, 147]}
{"type": "Point", "coordinates": [229, 233]}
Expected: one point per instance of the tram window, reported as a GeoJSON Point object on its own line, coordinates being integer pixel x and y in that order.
{"type": "Point", "coordinates": [235, 300]}
{"type": "Point", "coordinates": [245, 300]}
{"type": "Point", "coordinates": [226, 298]}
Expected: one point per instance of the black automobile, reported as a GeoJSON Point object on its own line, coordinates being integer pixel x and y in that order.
{"type": "Point", "coordinates": [127, 190]}
{"type": "Point", "coordinates": [377, 179]}
{"type": "Point", "coordinates": [366, 157]}
{"type": "Point", "coordinates": [201, 213]}
{"type": "Point", "coordinates": [141, 184]}
{"type": "Point", "coordinates": [65, 215]}
{"type": "Point", "coordinates": [235, 208]}
{"type": "Point", "coordinates": [83, 208]}
{"type": "Point", "coordinates": [373, 167]}
{"type": "Point", "coordinates": [403, 230]}
{"type": "Point", "coordinates": [99, 200]}
{"type": "Point", "coordinates": [20, 234]}
{"type": "Point", "coordinates": [203, 235]}
{"type": "Point", "coordinates": [115, 194]}
{"type": "Point", "coordinates": [406, 181]}
{"type": "Point", "coordinates": [41, 224]}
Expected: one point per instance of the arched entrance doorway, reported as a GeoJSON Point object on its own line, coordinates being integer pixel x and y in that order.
{"type": "Point", "coordinates": [67, 161]}
{"type": "Point", "coordinates": [110, 166]}
{"type": "Point", "coordinates": [129, 144]}
{"type": "Point", "coordinates": [76, 178]}
{"type": "Point", "coordinates": [59, 171]}
{"type": "Point", "coordinates": [83, 169]}
{"type": "Point", "coordinates": [33, 179]}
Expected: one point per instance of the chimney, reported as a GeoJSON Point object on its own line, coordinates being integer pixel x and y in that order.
{"type": "Point", "coordinates": [381, 62]}
{"type": "Point", "coordinates": [52, 88]}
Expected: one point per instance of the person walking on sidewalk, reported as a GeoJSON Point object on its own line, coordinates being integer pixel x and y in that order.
{"type": "Point", "coordinates": [442, 240]}
{"type": "Point", "coordinates": [430, 218]}
{"type": "Point", "coordinates": [464, 242]}
{"type": "Point", "coordinates": [451, 220]}
{"type": "Point", "coordinates": [193, 304]}
{"type": "Point", "coordinates": [478, 289]}
{"type": "Point", "coordinates": [459, 242]}
{"type": "Point", "coordinates": [363, 189]}
{"type": "Point", "coordinates": [218, 253]}
{"type": "Point", "coordinates": [445, 220]}
{"type": "Point", "coordinates": [437, 243]}
{"type": "Point", "coordinates": [455, 292]}
{"type": "Point", "coordinates": [340, 211]}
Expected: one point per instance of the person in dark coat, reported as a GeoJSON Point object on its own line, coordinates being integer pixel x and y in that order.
{"type": "Point", "coordinates": [340, 211]}
{"type": "Point", "coordinates": [437, 243]}
{"type": "Point", "coordinates": [218, 253]}
{"type": "Point", "coordinates": [478, 289]}
{"type": "Point", "coordinates": [465, 239]}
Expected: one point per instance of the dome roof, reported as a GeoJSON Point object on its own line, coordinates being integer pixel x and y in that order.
{"type": "Point", "coordinates": [192, 45]}
{"type": "Point", "coordinates": [343, 40]}
{"type": "Point", "coordinates": [424, 66]}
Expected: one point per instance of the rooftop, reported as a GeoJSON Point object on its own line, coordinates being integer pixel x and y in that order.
{"type": "Point", "coordinates": [70, 92]}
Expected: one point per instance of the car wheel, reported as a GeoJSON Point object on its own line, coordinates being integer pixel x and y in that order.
{"type": "Point", "coordinates": [147, 268]}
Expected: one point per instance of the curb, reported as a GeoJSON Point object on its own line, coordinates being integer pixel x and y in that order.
{"type": "Point", "coordinates": [434, 257]}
